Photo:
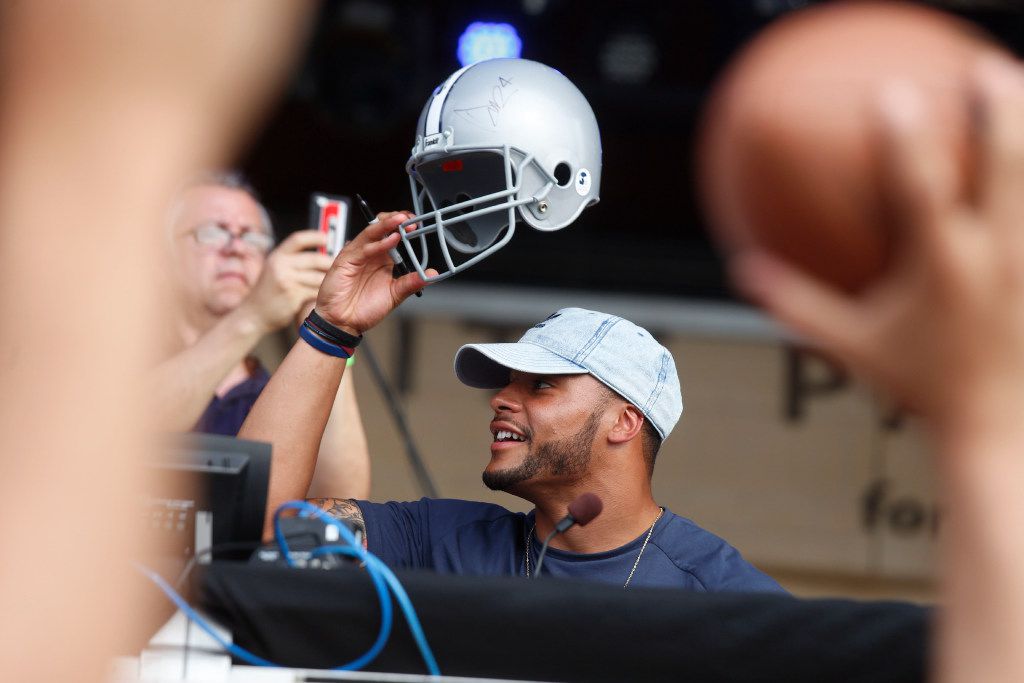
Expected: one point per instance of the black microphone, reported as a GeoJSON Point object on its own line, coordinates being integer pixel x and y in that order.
{"type": "Point", "coordinates": [581, 511]}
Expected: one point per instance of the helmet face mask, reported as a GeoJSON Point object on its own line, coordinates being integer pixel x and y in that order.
{"type": "Point", "coordinates": [500, 141]}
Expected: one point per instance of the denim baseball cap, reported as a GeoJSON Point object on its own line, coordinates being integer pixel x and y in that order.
{"type": "Point", "coordinates": [572, 341]}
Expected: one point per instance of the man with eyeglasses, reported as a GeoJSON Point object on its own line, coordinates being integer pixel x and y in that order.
{"type": "Point", "coordinates": [233, 288]}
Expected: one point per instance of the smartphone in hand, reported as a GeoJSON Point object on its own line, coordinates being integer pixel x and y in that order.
{"type": "Point", "coordinates": [329, 215]}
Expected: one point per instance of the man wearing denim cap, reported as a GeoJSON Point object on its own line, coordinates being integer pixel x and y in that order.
{"type": "Point", "coordinates": [575, 346]}
{"type": "Point", "coordinates": [583, 403]}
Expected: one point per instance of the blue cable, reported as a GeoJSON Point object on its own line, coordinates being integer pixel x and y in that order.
{"type": "Point", "coordinates": [386, 617]}
{"type": "Point", "coordinates": [403, 601]}
{"type": "Point", "coordinates": [387, 611]}
{"type": "Point", "coordinates": [382, 635]}
{"type": "Point", "coordinates": [373, 565]}
{"type": "Point", "coordinates": [309, 510]}
{"type": "Point", "coordinates": [382, 577]}
{"type": "Point", "coordinates": [250, 658]}
{"type": "Point", "coordinates": [410, 617]}
{"type": "Point", "coordinates": [172, 594]}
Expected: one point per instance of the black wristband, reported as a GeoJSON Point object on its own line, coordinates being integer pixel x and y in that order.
{"type": "Point", "coordinates": [330, 332]}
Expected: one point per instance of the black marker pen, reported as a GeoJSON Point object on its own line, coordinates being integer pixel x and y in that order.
{"type": "Point", "coordinates": [399, 269]}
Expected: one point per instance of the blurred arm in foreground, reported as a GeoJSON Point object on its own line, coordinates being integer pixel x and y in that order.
{"type": "Point", "coordinates": [94, 135]}
{"type": "Point", "coordinates": [943, 333]}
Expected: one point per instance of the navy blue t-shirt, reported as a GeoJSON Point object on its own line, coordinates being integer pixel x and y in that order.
{"type": "Point", "coordinates": [225, 415]}
{"type": "Point", "coordinates": [464, 537]}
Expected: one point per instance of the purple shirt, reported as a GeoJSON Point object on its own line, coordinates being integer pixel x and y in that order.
{"type": "Point", "coordinates": [226, 414]}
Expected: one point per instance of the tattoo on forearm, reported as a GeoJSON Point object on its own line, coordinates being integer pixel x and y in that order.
{"type": "Point", "coordinates": [345, 510]}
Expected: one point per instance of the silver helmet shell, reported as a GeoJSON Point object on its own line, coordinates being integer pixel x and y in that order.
{"type": "Point", "coordinates": [499, 141]}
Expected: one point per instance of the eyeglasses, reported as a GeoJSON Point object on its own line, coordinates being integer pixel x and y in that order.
{"type": "Point", "coordinates": [218, 237]}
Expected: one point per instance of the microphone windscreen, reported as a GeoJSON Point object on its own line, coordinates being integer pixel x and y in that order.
{"type": "Point", "coordinates": [585, 508]}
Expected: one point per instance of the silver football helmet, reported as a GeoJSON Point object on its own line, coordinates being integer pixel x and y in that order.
{"type": "Point", "coordinates": [499, 141]}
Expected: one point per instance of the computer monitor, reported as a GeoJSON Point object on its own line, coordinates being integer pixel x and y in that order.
{"type": "Point", "coordinates": [209, 491]}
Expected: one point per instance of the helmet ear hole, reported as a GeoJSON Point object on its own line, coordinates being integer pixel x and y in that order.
{"type": "Point", "coordinates": [563, 174]}
{"type": "Point", "coordinates": [461, 198]}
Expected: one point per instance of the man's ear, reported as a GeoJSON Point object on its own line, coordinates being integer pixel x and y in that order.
{"type": "Point", "coordinates": [627, 425]}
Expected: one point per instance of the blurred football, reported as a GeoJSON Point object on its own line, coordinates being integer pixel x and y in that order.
{"type": "Point", "coordinates": [789, 148]}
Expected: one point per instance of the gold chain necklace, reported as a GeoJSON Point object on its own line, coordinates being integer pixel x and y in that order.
{"type": "Point", "coordinates": [661, 511]}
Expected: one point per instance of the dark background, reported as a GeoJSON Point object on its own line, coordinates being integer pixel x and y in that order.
{"type": "Point", "coordinates": [347, 122]}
